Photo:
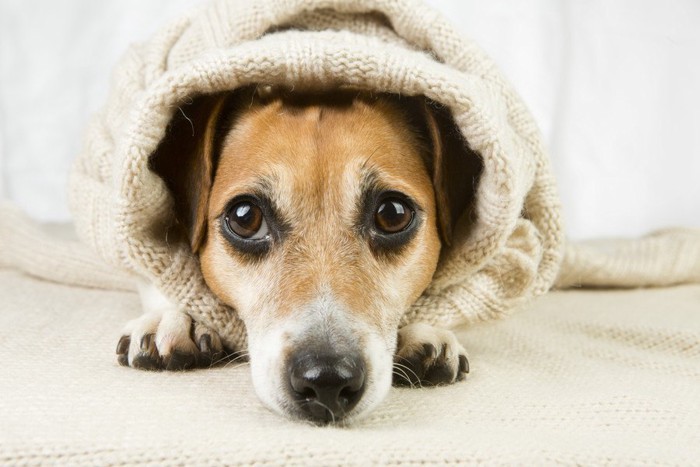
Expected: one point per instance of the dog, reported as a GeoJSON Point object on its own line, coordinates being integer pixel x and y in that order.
{"type": "Point", "coordinates": [320, 217]}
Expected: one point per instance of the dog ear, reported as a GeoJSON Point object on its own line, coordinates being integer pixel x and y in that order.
{"type": "Point", "coordinates": [455, 169]}
{"type": "Point", "coordinates": [186, 160]}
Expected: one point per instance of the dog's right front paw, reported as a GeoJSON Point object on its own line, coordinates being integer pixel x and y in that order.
{"type": "Point", "coordinates": [168, 340]}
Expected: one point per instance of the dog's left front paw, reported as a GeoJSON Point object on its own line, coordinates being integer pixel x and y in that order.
{"type": "Point", "coordinates": [426, 355]}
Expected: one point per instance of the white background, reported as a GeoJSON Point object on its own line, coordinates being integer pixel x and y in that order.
{"type": "Point", "coordinates": [614, 85]}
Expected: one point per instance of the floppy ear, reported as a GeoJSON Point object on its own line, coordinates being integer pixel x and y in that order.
{"type": "Point", "coordinates": [186, 160]}
{"type": "Point", "coordinates": [455, 169]}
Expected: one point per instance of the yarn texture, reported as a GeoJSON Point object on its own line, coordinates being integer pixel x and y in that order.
{"type": "Point", "coordinates": [511, 253]}
{"type": "Point", "coordinates": [605, 377]}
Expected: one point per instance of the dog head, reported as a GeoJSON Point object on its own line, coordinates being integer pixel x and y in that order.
{"type": "Point", "coordinates": [320, 219]}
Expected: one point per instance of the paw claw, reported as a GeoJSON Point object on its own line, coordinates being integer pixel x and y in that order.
{"type": "Point", "coordinates": [430, 352]}
{"type": "Point", "coordinates": [205, 343]}
{"type": "Point", "coordinates": [205, 359]}
{"type": "Point", "coordinates": [463, 364]}
{"type": "Point", "coordinates": [146, 342]}
{"type": "Point", "coordinates": [148, 358]}
{"type": "Point", "coordinates": [123, 345]}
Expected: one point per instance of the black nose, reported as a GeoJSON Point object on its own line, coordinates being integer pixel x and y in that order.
{"type": "Point", "coordinates": [326, 387]}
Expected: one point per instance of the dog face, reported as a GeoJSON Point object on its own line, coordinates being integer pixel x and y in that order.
{"type": "Point", "coordinates": [317, 220]}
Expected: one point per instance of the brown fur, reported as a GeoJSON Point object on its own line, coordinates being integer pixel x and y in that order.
{"type": "Point", "coordinates": [314, 150]}
{"type": "Point", "coordinates": [325, 282]}
{"type": "Point", "coordinates": [315, 154]}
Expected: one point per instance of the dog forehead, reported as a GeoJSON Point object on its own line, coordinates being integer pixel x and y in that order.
{"type": "Point", "coordinates": [312, 162]}
{"type": "Point", "coordinates": [317, 151]}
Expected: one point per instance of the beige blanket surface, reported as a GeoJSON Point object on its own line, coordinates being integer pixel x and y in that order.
{"type": "Point", "coordinates": [580, 377]}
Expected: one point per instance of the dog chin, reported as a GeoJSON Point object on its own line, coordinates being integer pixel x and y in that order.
{"type": "Point", "coordinates": [272, 354]}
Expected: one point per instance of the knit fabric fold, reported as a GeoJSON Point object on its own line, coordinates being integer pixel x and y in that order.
{"type": "Point", "coordinates": [394, 46]}
{"type": "Point", "coordinates": [510, 253]}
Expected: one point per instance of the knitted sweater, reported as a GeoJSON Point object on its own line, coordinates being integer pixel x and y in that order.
{"type": "Point", "coordinates": [513, 250]}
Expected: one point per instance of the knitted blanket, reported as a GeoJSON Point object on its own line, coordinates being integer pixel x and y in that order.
{"type": "Point", "coordinates": [592, 378]}
{"type": "Point", "coordinates": [512, 251]}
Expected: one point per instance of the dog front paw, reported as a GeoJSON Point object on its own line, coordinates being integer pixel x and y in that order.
{"type": "Point", "coordinates": [168, 340]}
{"type": "Point", "coordinates": [428, 356]}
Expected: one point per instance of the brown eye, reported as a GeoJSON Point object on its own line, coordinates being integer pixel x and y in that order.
{"type": "Point", "coordinates": [393, 215]}
{"type": "Point", "coordinates": [246, 220]}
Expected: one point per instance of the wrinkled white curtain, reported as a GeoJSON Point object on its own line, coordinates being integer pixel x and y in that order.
{"type": "Point", "coordinates": [614, 84]}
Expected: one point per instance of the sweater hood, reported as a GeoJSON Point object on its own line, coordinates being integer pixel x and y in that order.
{"type": "Point", "coordinates": [509, 253]}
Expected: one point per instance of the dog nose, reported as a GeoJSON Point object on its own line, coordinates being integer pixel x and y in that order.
{"type": "Point", "coordinates": [326, 387]}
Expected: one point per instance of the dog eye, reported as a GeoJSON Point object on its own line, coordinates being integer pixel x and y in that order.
{"type": "Point", "coordinates": [246, 220]}
{"type": "Point", "coordinates": [393, 215]}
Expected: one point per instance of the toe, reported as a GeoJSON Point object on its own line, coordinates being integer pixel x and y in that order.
{"type": "Point", "coordinates": [174, 341]}
{"type": "Point", "coordinates": [209, 345]}
{"type": "Point", "coordinates": [135, 349]}
{"type": "Point", "coordinates": [147, 358]}
{"type": "Point", "coordinates": [438, 374]}
{"type": "Point", "coordinates": [178, 360]}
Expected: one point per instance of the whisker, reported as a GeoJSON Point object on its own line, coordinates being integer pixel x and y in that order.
{"type": "Point", "coordinates": [237, 358]}
{"type": "Point", "coordinates": [408, 369]}
{"type": "Point", "coordinates": [402, 374]}
{"type": "Point", "coordinates": [314, 401]}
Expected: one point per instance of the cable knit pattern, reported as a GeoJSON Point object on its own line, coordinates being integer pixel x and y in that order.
{"type": "Point", "coordinates": [397, 46]}
{"type": "Point", "coordinates": [579, 378]}
{"type": "Point", "coordinates": [603, 377]}
{"type": "Point", "coordinates": [400, 46]}
{"type": "Point", "coordinates": [512, 253]}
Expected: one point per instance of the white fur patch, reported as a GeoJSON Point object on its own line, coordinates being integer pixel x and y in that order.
{"type": "Point", "coordinates": [327, 320]}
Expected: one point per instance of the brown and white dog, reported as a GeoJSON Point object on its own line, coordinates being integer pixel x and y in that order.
{"type": "Point", "coordinates": [320, 218]}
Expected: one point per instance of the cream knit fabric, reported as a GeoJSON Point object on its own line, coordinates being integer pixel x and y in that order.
{"type": "Point", "coordinates": [605, 377]}
{"type": "Point", "coordinates": [397, 46]}
{"type": "Point", "coordinates": [511, 254]}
